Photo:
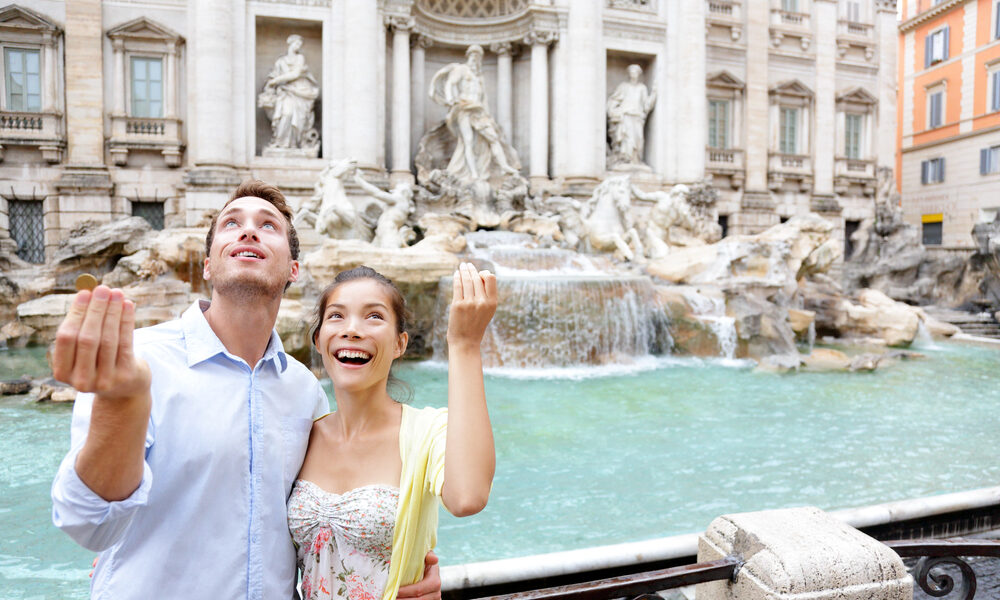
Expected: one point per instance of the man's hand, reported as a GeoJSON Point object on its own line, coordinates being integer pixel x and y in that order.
{"type": "Point", "coordinates": [428, 588]}
{"type": "Point", "coordinates": [93, 349]}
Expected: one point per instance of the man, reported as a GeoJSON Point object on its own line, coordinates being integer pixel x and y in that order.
{"type": "Point", "coordinates": [461, 89]}
{"type": "Point", "coordinates": [185, 445]}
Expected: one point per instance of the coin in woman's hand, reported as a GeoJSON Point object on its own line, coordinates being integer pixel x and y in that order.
{"type": "Point", "coordinates": [86, 282]}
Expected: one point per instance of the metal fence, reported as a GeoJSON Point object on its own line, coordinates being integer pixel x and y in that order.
{"type": "Point", "coordinates": [151, 211]}
{"type": "Point", "coordinates": [27, 228]}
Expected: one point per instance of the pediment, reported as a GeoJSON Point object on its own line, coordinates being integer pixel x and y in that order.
{"type": "Point", "coordinates": [857, 95]}
{"type": "Point", "coordinates": [793, 87]}
{"type": "Point", "coordinates": [724, 79]}
{"type": "Point", "coordinates": [145, 29]}
{"type": "Point", "coordinates": [25, 19]}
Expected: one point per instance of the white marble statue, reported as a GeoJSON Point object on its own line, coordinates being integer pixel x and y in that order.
{"type": "Point", "coordinates": [329, 210]}
{"type": "Point", "coordinates": [628, 107]}
{"type": "Point", "coordinates": [287, 98]}
{"type": "Point", "coordinates": [479, 150]}
{"type": "Point", "coordinates": [670, 222]}
{"type": "Point", "coordinates": [607, 219]}
{"type": "Point", "coordinates": [391, 230]}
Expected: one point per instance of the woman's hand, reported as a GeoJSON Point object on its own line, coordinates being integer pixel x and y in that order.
{"type": "Point", "coordinates": [473, 304]}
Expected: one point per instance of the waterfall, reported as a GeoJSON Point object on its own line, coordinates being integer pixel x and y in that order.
{"type": "Point", "coordinates": [558, 308]}
{"type": "Point", "coordinates": [924, 340]}
{"type": "Point", "coordinates": [811, 335]}
{"type": "Point", "coordinates": [711, 311]}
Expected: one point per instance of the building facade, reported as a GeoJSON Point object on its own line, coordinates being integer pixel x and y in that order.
{"type": "Point", "coordinates": [948, 163]}
{"type": "Point", "coordinates": [152, 107]}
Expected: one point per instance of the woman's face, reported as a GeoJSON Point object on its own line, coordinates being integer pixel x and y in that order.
{"type": "Point", "coordinates": [357, 335]}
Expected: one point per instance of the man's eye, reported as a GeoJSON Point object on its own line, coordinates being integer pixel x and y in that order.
{"type": "Point", "coordinates": [267, 226]}
{"type": "Point", "coordinates": [230, 222]}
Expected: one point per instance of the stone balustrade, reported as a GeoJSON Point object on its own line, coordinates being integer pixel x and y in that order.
{"type": "Point", "coordinates": [43, 130]}
{"type": "Point", "coordinates": [727, 162]}
{"type": "Point", "coordinates": [145, 133]}
{"type": "Point", "coordinates": [855, 29]}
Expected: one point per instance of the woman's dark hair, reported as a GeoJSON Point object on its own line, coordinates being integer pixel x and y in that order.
{"type": "Point", "coordinates": [398, 389]}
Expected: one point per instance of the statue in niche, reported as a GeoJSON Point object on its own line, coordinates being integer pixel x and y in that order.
{"type": "Point", "coordinates": [329, 211]}
{"type": "Point", "coordinates": [391, 230]}
{"type": "Point", "coordinates": [287, 99]}
{"type": "Point", "coordinates": [607, 219]}
{"type": "Point", "coordinates": [628, 107]}
{"type": "Point", "coordinates": [480, 151]}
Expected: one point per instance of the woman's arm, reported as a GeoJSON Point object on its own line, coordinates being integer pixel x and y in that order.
{"type": "Point", "coordinates": [470, 459]}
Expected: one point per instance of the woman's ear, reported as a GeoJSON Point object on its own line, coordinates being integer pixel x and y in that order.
{"type": "Point", "coordinates": [401, 341]}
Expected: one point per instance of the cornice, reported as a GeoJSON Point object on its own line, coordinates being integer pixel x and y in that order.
{"type": "Point", "coordinates": [929, 14]}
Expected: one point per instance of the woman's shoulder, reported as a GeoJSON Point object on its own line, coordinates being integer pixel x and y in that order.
{"type": "Point", "coordinates": [420, 420]}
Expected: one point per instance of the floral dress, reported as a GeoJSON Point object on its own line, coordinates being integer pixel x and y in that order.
{"type": "Point", "coordinates": [343, 541]}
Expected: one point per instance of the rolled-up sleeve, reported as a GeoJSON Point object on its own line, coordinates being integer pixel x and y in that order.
{"type": "Point", "coordinates": [93, 522]}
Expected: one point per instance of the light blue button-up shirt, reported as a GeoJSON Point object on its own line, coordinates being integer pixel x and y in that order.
{"type": "Point", "coordinates": [223, 447]}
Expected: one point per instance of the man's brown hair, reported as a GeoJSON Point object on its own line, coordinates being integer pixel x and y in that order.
{"type": "Point", "coordinates": [255, 188]}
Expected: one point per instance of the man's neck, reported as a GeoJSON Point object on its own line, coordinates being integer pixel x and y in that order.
{"type": "Point", "coordinates": [244, 328]}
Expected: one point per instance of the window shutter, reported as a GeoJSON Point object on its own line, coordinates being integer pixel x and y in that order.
{"type": "Point", "coordinates": [944, 52]}
{"type": "Point", "coordinates": [995, 103]}
{"type": "Point", "coordinates": [941, 172]}
{"type": "Point", "coordinates": [984, 161]}
{"type": "Point", "coordinates": [923, 171]}
{"type": "Point", "coordinates": [996, 28]}
{"type": "Point", "coordinates": [928, 50]}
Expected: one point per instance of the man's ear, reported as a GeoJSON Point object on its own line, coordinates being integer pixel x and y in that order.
{"type": "Point", "coordinates": [206, 273]}
{"type": "Point", "coordinates": [293, 274]}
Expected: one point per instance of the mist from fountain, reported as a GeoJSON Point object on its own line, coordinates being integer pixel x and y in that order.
{"type": "Point", "coordinates": [559, 309]}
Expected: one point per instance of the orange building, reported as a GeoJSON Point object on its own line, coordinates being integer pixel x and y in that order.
{"type": "Point", "coordinates": [948, 134]}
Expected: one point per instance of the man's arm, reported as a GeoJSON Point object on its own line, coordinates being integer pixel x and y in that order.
{"type": "Point", "coordinates": [93, 353]}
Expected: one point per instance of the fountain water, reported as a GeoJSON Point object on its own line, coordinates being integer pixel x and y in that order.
{"type": "Point", "coordinates": [560, 309]}
{"type": "Point", "coordinates": [712, 312]}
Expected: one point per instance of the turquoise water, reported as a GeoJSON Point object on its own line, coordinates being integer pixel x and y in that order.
{"type": "Point", "coordinates": [582, 461]}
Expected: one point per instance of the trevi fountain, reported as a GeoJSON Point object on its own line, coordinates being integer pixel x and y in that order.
{"type": "Point", "coordinates": [631, 339]}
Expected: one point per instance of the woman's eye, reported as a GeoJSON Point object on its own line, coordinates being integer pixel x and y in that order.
{"type": "Point", "coordinates": [376, 316]}
{"type": "Point", "coordinates": [333, 315]}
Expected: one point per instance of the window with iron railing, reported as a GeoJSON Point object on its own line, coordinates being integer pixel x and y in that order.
{"type": "Point", "coordinates": [151, 211]}
{"type": "Point", "coordinates": [27, 228]}
{"type": "Point", "coordinates": [22, 76]}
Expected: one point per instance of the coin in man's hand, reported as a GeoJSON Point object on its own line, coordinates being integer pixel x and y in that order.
{"type": "Point", "coordinates": [86, 282]}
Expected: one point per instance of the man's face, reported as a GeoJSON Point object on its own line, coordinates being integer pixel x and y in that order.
{"type": "Point", "coordinates": [250, 258]}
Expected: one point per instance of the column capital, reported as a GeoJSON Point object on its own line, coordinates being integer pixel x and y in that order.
{"type": "Point", "coordinates": [502, 48]}
{"type": "Point", "coordinates": [540, 36]}
{"type": "Point", "coordinates": [118, 44]}
{"type": "Point", "coordinates": [422, 41]}
{"type": "Point", "coordinates": [402, 23]}
{"type": "Point", "coordinates": [887, 6]}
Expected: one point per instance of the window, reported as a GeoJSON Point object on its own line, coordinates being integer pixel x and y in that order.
{"type": "Point", "coordinates": [850, 227]}
{"type": "Point", "coordinates": [853, 11]}
{"type": "Point", "coordinates": [23, 79]}
{"type": "Point", "coordinates": [936, 47]}
{"type": "Point", "coordinates": [935, 108]}
{"type": "Point", "coordinates": [789, 125]}
{"type": "Point", "coordinates": [724, 224]}
{"type": "Point", "coordinates": [27, 228]}
{"type": "Point", "coordinates": [151, 211]}
{"type": "Point", "coordinates": [996, 21]}
{"type": "Point", "coordinates": [718, 123]}
{"type": "Point", "coordinates": [147, 87]}
{"type": "Point", "coordinates": [932, 229]}
{"type": "Point", "coordinates": [994, 103]}
{"type": "Point", "coordinates": [852, 135]}
{"type": "Point", "coordinates": [790, 5]}
{"type": "Point", "coordinates": [932, 171]}
{"type": "Point", "coordinates": [989, 160]}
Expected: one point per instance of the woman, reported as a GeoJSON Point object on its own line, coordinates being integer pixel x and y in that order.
{"type": "Point", "coordinates": [358, 534]}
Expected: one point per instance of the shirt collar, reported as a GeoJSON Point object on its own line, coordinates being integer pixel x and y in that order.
{"type": "Point", "coordinates": [201, 343]}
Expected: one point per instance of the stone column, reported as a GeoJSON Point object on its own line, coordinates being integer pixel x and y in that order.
{"type": "Point", "coordinates": [49, 50]}
{"type": "Point", "coordinates": [505, 86]}
{"type": "Point", "coordinates": [800, 553]}
{"type": "Point", "coordinates": [756, 206]}
{"type": "Point", "coordinates": [823, 136]}
{"type": "Point", "coordinates": [401, 27]}
{"type": "Point", "coordinates": [586, 123]}
{"type": "Point", "coordinates": [418, 91]}
{"type": "Point", "coordinates": [210, 115]}
{"type": "Point", "coordinates": [686, 91]}
{"type": "Point", "coordinates": [84, 187]}
{"type": "Point", "coordinates": [362, 34]}
{"type": "Point", "coordinates": [119, 79]}
{"type": "Point", "coordinates": [538, 168]}
{"type": "Point", "coordinates": [888, 32]}
{"type": "Point", "coordinates": [170, 82]}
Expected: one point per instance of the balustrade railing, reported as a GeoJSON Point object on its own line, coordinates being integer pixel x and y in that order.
{"type": "Point", "coordinates": [21, 121]}
{"type": "Point", "coordinates": [145, 127]}
{"type": "Point", "coordinates": [785, 17]}
{"type": "Point", "coordinates": [927, 573]}
{"type": "Point", "coordinates": [724, 8]}
{"type": "Point", "coordinates": [855, 28]}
